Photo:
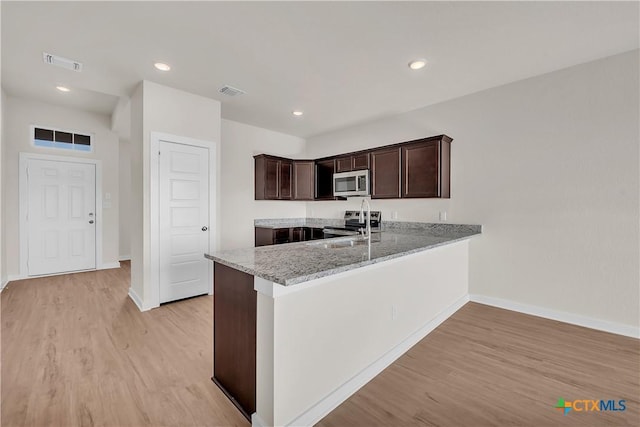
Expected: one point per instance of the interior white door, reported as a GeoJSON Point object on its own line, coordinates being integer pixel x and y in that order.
{"type": "Point", "coordinates": [184, 221]}
{"type": "Point", "coordinates": [61, 216]}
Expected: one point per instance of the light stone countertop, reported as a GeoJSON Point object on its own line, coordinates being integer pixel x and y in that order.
{"type": "Point", "coordinates": [293, 263]}
{"type": "Point", "coordinates": [298, 222]}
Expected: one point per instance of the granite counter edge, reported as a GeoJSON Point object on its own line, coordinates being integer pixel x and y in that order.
{"type": "Point", "coordinates": [330, 272]}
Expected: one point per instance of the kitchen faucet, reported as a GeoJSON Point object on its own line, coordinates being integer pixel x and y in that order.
{"type": "Point", "coordinates": [367, 218]}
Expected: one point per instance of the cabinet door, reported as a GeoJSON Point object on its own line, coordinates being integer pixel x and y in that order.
{"type": "Point", "coordinates": [299, 234]}
{"type": "Point", "coordinates": [360, 161]}
{"type": "Point", "coordinates": [271, 182]}
{"type": "Point", "coordinates": [385, 174]}
{"type": "Point", "coordinates": [303, 183]}
{"type": "Point", "coordinates": [317, 233]}
{"type": "Point", "coordinates": [264, 236]}
{"type": "Point", "coordinates": [281, 235]}
{"type": "Point", "coordinates": [420, 169]}
{"type": "Point", "coordinates": [324, 179]}
{"type": "Point", "coordinates": [343, 164]}
{"type": "Point", "coordinates": [284, 179]}
{"type": "Point", "coordinates": [234, 336]}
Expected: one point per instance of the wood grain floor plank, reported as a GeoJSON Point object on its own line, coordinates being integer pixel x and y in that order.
{"type": "Point", "coordinates": [77, 352]}
{"type": "Point", "coordinates": [490, 367]}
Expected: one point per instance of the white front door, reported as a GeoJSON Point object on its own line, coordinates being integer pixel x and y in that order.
{"type": "Point", "coordinates": [61, 216]}
{"type": "Point", "coordinates": [184, 221]}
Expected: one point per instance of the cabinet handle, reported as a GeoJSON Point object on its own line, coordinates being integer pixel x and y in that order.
{"type": "Point", "coordinates": [205, 228]}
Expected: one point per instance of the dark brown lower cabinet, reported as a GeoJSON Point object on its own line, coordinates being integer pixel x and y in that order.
{"type": "Point", "coordinates": [234, 337]}
{"type": "Point", "coordinates": [300, 234]}
{"type": "Point", "coordinates": [265, 236]}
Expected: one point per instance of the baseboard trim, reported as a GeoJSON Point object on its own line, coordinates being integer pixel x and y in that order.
{"type": "Point", "coordinates": [135, 298]}
{"type": "Point", "coordinates": [561, 316]}
{"type": "Point", "coordinates": [342, 393]}
{"type": "Point", "coordinates": [109, 265]}
{"type": "Point", "coordinates": [124, 258]}
{"type": "Point", "coordinates": [256, 421]}
{"type": "Point", "coordinates": [13, 277]}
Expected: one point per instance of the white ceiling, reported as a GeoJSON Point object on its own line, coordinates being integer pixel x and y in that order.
{"type": "Point", "coordinates": [341, 62]}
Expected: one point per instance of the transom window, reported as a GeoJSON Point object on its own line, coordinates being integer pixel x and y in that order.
{"type": "Point", "coordinates": [65, 140]}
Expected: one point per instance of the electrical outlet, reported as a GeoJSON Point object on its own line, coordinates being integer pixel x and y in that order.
{"type": "Point", "coordinates": [443, 216]}
{"type": "Point", "coordinates": [394, 215]}
{"type": "Point", "coordinates": [394, 312]}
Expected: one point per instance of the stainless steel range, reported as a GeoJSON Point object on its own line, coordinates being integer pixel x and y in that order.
{"type": "Point", "coordinates": [352, 224]}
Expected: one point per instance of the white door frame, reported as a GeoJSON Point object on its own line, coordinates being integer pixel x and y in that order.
{"type": "Point", "coordinates": [152, 298]}
{"type": "Point", "coordinates": [24, 205]}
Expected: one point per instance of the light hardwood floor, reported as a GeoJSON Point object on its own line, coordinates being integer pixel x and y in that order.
{"type": "Point", "coordinates": [77, 352]}
{"type": "Point", "coordinates": [486, 366]}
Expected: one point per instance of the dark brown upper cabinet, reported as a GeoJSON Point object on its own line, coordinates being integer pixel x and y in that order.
{"type": "Point", "coordinates": [324, 179]}
{"type": "Point", "coordinates": [343, 164]}
{"type": "Point", "coordinates": [353, 162]}
{"type": "Point", "coordinates": [272, 178]}
{"type": "Point", "coordinates": [285, 179]}
{"type": "Point", "coordinates": [413, 169]}
{"type": "Point", "coordinates": [360, 161]}
{"type": "Point", "coordinates": [303, 180]}
{"type": "Point", "coordinates": [425, 168]}
{"type": "Point", "coordinates": [385, 173]}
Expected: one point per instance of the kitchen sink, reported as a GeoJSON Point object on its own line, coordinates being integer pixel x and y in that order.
{"type": "Point", "coordinates": [339, 243]}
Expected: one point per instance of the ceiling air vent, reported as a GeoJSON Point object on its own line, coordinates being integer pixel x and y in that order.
{"type": "Point", "coordinates": [231, 91]}
{"type": "Point", "coordinates": [59, 61]}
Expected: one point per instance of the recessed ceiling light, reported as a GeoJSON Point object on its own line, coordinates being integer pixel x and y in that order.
{"type": "Point", "coordinates": [63, 88]}
{"type": "Point", "coordinates": [297, 113]}
{"type": "Point", "coordinates": [416, 64]}
{"type": "Point", "coordinates": [162, 66]}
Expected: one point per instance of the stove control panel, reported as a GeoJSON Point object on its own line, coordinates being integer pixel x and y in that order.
{"type": "Point", "coordinates": [355, 215]}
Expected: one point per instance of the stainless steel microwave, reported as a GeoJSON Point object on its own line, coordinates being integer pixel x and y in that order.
{"type": "Point", "coordinates": [354, 183]}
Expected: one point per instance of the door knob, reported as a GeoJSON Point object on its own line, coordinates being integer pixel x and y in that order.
{"type": "Point", "coordinates": [205, 228]}
{"type": "Point", "coordinates": [91, 221]}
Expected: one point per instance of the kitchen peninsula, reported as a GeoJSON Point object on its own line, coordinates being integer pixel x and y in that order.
{"type": "Point", "coordinates": [299, 327]}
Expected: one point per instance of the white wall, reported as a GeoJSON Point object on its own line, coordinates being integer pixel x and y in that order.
{"type": "Point", "coordinates": [124, 166]}
{"type": "Point", "coordinates": [139, 259]}
{"type": "Point", "coordinates": [157, 108]}
{"type": "Point", "coordinates": [3, 251]}
{"type": "Point", "coordinates": [331, 335]}
{"type": "Point", "coordinates": [20, 115]}
{"type": "Point", "coordinates": [549, 167]}
{"type": "Point", "coordinates": [240, 143]}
